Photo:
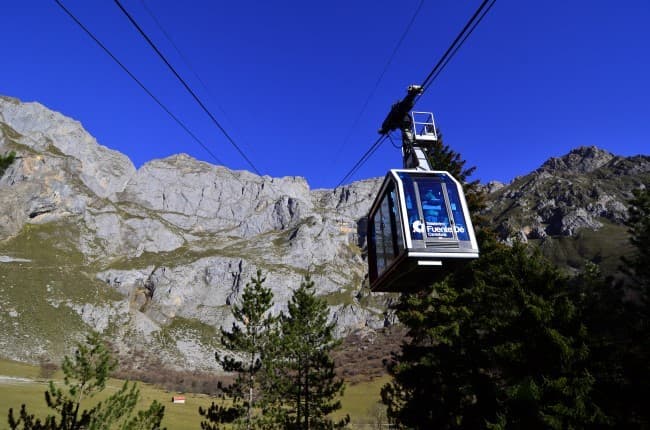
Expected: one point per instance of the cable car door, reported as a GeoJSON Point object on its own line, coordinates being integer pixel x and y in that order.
{"type": "Point", "coordinates": [434, 211]}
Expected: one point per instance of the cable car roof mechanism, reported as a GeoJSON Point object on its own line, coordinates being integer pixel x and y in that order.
{"type": "Point", "coordinates": [419, 226]}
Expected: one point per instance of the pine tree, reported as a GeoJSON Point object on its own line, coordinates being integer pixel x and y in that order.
{"type": "Point", "coordinates": [617, 313]}
{"type": "Point", "coordinates": [85, 376]}
{"type": "Point", "coordinates": [5, 161]}
{"type": "Point", "coordinates": [636, 355]}
{"type": "Point", "coordinates": [639, 229]}
{"type": "Point", "coordinates": [299, 373]}
{"type": "Point", "coordinates": [501, 343]}
{"type": "Point", "coordinates": [248, 338]}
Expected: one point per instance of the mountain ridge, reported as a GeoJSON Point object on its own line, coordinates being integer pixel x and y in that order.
{"type": "Point", "coordinates": [154, 257]}
{"type": "Point", "coordinates": [168, 246]}
{"type": "Point", "coordinates": [567, 197]}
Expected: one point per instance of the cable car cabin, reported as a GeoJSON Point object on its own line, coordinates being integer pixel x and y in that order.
{"type": "Point", "coordinates": [418, 228]}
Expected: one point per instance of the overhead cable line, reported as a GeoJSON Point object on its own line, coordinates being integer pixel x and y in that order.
{"type": "Point", "coordinates": [176, 119]}
{"type": "Point", "coordinates": [137, 81]}
{"type": "Point", "coordinates": [457, 43]}
{"type": "Point", "coordinates": [189, 65]}
{"type": "Point", "coordinates": [128, 72]}
{"type": "Point", "coordinates": [182, 56]}
{"type": "Point", "coordinates": [379, 79]}
{"type": "Point", "coordinates": [392, 142]}
{"type": "Point", "coordinates": [363, 159]}
{"type": "Point", "coordinates": [187, 87]}
{"type": "Point", "coordinates": [469, 27]}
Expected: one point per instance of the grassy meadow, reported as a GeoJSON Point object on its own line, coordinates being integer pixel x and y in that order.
{"type": "Point", "coordinates": [21, 383]}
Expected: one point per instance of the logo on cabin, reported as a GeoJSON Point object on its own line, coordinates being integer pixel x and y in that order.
{"type": "Point", "coordinates": [436, 229]}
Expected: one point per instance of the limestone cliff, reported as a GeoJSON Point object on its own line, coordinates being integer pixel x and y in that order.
{"type": "Point", "coordinates": [155, 257]}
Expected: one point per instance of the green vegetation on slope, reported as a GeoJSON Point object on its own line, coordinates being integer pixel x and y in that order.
{"type": "Point", "coordinates": [604, 247]}
{"type": "Point", "coordinates": [39, 292]}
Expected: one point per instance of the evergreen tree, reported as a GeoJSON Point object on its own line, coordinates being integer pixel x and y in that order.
{"type": "Point", "coordinates": [85, 376]}
{"type": "Point", "coordinates": [617, 313]}
{"type": "Point", "coordinates": [248, 338]}
{"type": "Point", "coordinates": [639, 228]}
{"type": "Point", "coordinates": [5, 161]}
{"type": "Point", "coordinates": [299, 373]}
{"type": "Point", "coordinates": [500, 344]}
{"type": "Point", "coordinates": [636, 357]}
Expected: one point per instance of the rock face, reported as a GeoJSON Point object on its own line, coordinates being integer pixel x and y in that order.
{"type": "Point", "coordinates": [102, 170]}
{"type": "Point", "coordinates": [581, 160]}
{"type": "Point", "coordinates": [156, 257]}
{"type": "Point", "coordinates": [569, 198]}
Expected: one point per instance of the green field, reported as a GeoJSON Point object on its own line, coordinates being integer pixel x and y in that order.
{"type": "Point", "coordinates": [360, 400]}
{"type": "Point", "coordinates": [13, 393]}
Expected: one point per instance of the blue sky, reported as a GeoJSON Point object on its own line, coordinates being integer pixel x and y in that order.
{"type": "Point", "coordinates": [288, 78]}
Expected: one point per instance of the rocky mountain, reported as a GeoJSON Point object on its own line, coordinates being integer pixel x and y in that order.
{"type": "Point", "coordinates": [573, 207]}
{"type": "Point", "coordinates": [154, 257]}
